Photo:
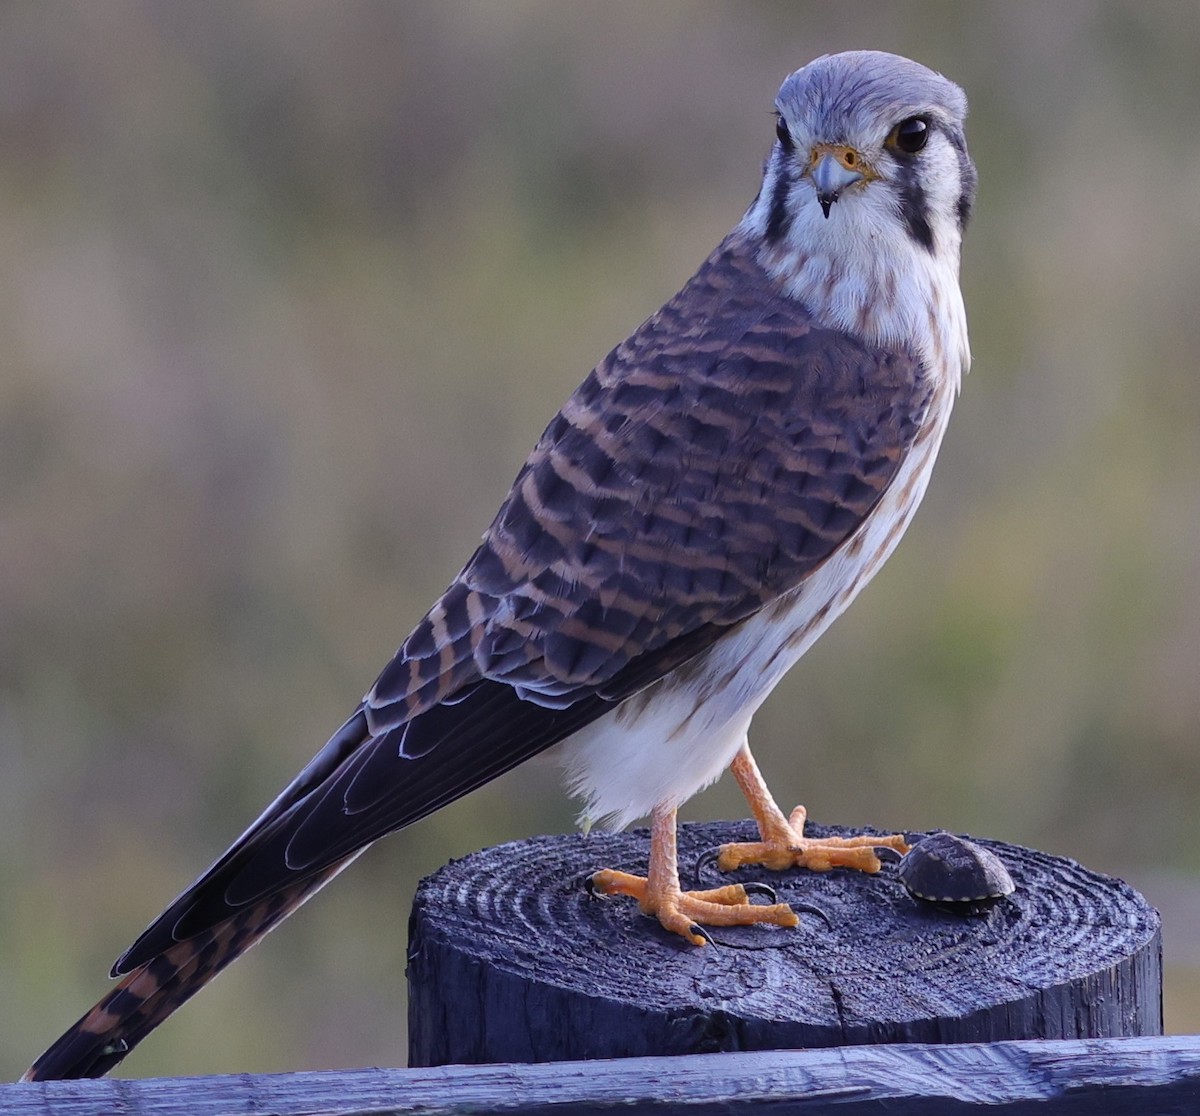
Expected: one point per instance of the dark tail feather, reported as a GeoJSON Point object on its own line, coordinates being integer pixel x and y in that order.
{"type": "Point", "coordinates": [152, 992]}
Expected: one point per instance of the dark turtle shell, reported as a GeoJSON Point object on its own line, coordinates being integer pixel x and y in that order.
{"type": "Point", "coordinates": [944, 868]}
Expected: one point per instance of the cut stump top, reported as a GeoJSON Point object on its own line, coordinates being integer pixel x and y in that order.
{"type": "Point", "coordinates": [512, 961]}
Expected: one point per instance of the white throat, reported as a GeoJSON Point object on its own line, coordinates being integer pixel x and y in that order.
{"type": "Point", "coordinates": [860, 271]}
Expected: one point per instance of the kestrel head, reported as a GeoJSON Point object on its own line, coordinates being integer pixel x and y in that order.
{"type": "Point", "coordinates": [876, 134]}
{"type": "Point", "coordinates": [866, 193]}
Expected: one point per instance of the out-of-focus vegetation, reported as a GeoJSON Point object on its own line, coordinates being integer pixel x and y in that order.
{"type": "Point", "coordinates": [288, 291]}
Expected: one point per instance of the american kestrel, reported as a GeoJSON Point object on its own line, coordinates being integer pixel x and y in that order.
{"type": "Point", "coordinates": [717, 490]}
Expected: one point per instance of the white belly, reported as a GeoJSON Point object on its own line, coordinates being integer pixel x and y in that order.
{"type": "Point", "coordinates": [676, 737]}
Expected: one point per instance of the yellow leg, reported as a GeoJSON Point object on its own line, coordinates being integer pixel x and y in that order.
{"type": "Point", "coordinates": [783, 843]}
{"type": "Point", "coordinates": [658, 892]}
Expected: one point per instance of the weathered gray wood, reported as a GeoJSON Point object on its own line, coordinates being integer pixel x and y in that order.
{"type": "Point", "coordinates": [511, 961]}
{"type": "Point", "coordinates": [1109, 1077]}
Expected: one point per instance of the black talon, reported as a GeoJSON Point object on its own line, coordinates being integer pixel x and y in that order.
{"type": "Point", "coordinates": [696, 928]}
{"type": "Point", "coordinates": [755, 888]}
{"type": "Point", "coordinates": [589, 885]}
{"type": "Point", "coordinates": [809, 909]}
{"type": "Point", "coordinates": [886, 853]}
{"type": "Point", "coordinates": [705, 859]}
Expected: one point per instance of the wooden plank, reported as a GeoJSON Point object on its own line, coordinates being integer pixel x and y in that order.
{"type": "Point", "coordinates": [510, 960]}
{"type": "Point", "coordinates": [1099, 1077]}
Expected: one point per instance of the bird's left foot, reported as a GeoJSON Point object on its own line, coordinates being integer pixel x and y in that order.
{"type": "Point", "coordinates": [784, 846]}
{"type": "Point", "coordinates": [686, 912]}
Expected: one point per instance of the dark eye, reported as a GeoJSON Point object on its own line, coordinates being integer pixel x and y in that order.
{"type": "Point", "coordinates": [909, 135]}
{"type": "Point", "coordinates": [781, 130]}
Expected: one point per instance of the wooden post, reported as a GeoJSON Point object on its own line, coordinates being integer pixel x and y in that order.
{"type": "Point", "coordinates": [512, 961]}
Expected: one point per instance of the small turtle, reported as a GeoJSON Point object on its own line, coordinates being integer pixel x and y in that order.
{"type": "Point", "coordinates": [954, 873]}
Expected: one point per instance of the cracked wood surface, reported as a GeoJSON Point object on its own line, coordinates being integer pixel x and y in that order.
{"type": "Point", "coordinates": [1102, 1077]}
{"type": "Point", "coordinates": [512, 961]}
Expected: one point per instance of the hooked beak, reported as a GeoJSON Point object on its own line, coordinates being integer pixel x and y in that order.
{"type": "Point", "coordinates": [832, 169]}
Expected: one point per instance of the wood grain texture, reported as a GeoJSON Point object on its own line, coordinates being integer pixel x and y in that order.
{"type": "Point", "coordinates": [512, 961]}
{"type": "Point", "coordinates": [1108, 1077]}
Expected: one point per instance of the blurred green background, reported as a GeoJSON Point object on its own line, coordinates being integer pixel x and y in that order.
{"type": "Point", "coordinates": [289, 290]}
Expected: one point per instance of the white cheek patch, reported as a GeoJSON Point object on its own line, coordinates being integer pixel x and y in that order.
{"type": "Point", "coordinates": [860, 270]}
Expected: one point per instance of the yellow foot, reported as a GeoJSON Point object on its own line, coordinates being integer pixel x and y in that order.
{"type": "Point", "coordinates": [784, 846]}
{"type": "Point", "coordinates": [685, 912]}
